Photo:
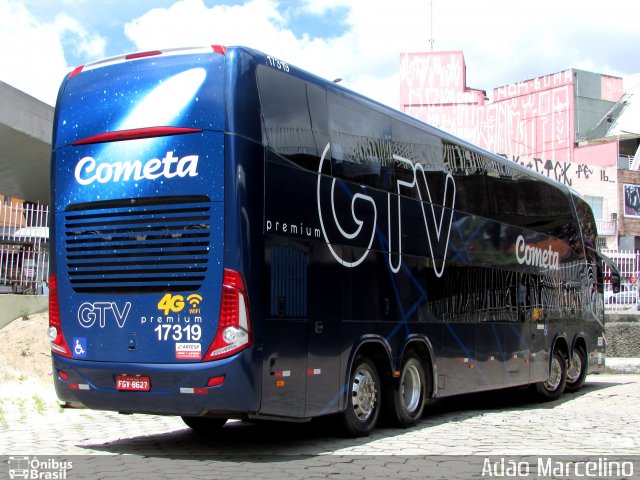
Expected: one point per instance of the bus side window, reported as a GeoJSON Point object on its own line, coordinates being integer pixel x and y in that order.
{"type": "Point", "coordinates": [294, 116]}
{"type": "Point", "coordinates": [360, 141]}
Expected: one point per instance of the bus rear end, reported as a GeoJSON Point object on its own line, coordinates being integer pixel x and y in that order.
{"type": "Point", "coordinates": [144, 316]}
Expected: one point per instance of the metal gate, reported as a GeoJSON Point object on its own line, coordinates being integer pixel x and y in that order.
{"type": "Point", "coordinates": [24, 247]}
{"type": "Point", "coordinates": [628, 264]}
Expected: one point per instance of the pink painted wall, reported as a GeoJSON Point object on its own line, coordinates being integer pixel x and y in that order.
{"type": "Point", "coordinates": [436, 78]}
{"type": "Point", "coordinates": [602, 155]}
{"type": "Point", "coordinates": [533, 118]}
{"type": "Point", "coordinates": [612, 88]}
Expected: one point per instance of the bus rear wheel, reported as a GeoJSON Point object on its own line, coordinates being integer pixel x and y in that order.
{"type": "Point", "coordinates": [204, 424]}
{"type": "Point", "coordinates": [405, 398]}
{"type": "Point", "coordinates": [577, 371]}
{"type": "Point", "coordinates": [552, 388]}
{"type": "Point", "coordinates": [363, 403]}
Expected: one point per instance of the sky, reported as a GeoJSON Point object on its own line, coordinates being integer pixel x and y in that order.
{"type": "Point", "coordinates": [359, 41]}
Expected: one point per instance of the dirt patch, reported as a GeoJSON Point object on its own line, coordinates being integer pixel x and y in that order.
{"type": "Point", "coordinates": [26, 354]}
{"type": "Point", "coordinates": [26, 384]}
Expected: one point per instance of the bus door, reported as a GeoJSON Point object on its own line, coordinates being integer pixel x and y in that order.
{"type": "Point", "coordinates": [459, 341]}
{"type": "Point", "coordinates": [323, 367]}
{"type": "Point", "coordinates": [518, 336]}
{"type": "Point", "coordinates": [284, 372]}
{"type": "Point", "coordinates": [286, 332]}
{"type": "Point", "coordinates": [325, 333]}
{"type": "Point", "coordinates": [490, 339]}
{"type": "Point", "coordinates": [517, 353]}
{"type": "Point", "coordinates": [302, 348]}
{"type": "Point", "coordinates": [539, 328]}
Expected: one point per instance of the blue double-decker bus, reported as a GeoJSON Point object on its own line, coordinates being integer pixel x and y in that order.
{"type": "Point", "coordinates": [235, 238]}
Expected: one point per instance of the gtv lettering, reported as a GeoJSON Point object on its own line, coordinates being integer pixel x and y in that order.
{"type": "Point", "coordinates": [101, 312]}
{"type": "Point", "coordinates": [437, 224]}
{"type": "Point", "coordinates": [89, 170]}
{"type": "Point", "coordinates": [437, 221]}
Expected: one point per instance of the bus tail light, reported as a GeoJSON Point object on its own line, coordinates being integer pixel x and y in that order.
{"type": "Point", "coordinates": [234, 323]}
{"type": "Point", "coordinates": [135, 134]}
{"type": "Point", "coordinates": [152, 53]}
{"type": "Point", "coordinates": [76, 71]}
{"type": "Point", "coordinates": [58, 343]}
{"type": "Point", "coordinates": [221, 49]}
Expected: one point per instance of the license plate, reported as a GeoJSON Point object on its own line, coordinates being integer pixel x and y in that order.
{"type": "Point", "coordinates": [133, 383]}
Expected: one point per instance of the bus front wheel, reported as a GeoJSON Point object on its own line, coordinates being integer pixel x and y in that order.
{"type": "Point", "coordinates": [363, 403]}
{"type": "Point", "coordinates": [405, 398]}
{"type": "Point", "coordinates": [552, 388]}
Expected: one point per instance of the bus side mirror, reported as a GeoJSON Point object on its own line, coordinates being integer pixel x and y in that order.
{"type": "Point", "coordinates": [615, 282]}
{"type": "Point", "coordinates": [615, 273]}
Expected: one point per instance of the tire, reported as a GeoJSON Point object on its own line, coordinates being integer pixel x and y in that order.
{"type": "Point", "coordinates": [552, 388]}
{"type": "Point", "coordinates": [204, 424]}
{"type": "Point", "coordinates": [577, 370]}
{"type": "Point", "coordinates": [363, 403]}
{"type": "Point", "coordinates": [404, 398]}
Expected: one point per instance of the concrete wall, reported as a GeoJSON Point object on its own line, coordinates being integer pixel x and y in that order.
{"type": "Point", "coordinates": [14, 306]}
{"type": "Point", "coordinates": [25, 145]}
{"type": "Point", "coordinates": [595, 95]}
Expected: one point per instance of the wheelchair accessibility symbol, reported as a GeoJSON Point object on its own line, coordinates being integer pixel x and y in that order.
{"type": "Point", "coordinates": [79, 347]}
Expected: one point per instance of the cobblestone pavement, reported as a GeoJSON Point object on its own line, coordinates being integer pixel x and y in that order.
{"type": "Point", "coordinates": [602, 420]}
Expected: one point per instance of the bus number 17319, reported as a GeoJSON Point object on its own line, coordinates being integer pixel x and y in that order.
{"type": "Point", "coordinates": [190, 333]}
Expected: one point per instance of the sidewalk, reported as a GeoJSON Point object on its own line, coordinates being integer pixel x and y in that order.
{"type": "Point", "coordinates": [622, 365]}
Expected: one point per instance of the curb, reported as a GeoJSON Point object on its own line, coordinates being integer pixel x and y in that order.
{"type": "Point", "coordinates": [622, 365]}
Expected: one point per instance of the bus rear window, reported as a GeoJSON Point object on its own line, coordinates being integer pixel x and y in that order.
{"type": "Point", "coordinates": [167, 91]}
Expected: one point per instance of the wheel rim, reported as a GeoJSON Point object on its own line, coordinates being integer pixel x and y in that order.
{"type": "Point", "coordinates": [411, 388]}
{"type": "Point", "coordinates": [555, 375]}
{"type": "Point", "coordinates": [363, 394]}
{"type": "Point", "coordinates": [575, 368]}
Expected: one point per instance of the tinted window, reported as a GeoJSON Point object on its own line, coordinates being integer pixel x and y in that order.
{"type": "Point", "coordinates": [369, 147]}
{"type": "Point", "coordinates": [294, 117]}
{"type": "Point", "coordinates": [491, 188]}
{"type": "Point", "coordinates": [587, 224]}
{"type": "Point", "coordinates": [360, 142]}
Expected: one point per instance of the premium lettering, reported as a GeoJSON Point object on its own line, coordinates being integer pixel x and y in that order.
{"type": "Point", "coordinates": [88, 170]}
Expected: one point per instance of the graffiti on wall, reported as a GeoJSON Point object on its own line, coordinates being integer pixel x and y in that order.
{"type": "Point", "coordinates": [528, 119]}
{"type": "Point", "coordinates": [565, 172]}
{"type": "Point", "coordinates": [438, 78]}
{"type": "Point", "coordinates": [528, 87]}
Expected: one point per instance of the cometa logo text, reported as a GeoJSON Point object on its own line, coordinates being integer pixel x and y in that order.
{"type": "Point", "coordinates": [535, 256]}
{"type": "Point", "coordinates": [88, 170]}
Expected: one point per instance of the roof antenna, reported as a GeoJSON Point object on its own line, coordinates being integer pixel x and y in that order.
{"type": "Point", "coordinates": [431, 40]}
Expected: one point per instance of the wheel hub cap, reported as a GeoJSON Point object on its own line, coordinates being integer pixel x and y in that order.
{"type": "Point", "coordinates": [363, 392]}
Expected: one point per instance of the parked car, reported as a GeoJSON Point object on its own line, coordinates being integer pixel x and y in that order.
{"type": "Point", "coordinates": [627, 294]}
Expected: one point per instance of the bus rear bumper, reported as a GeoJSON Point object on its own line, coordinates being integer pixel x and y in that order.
{"type": "Point", "coordinates": [173, 389]}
